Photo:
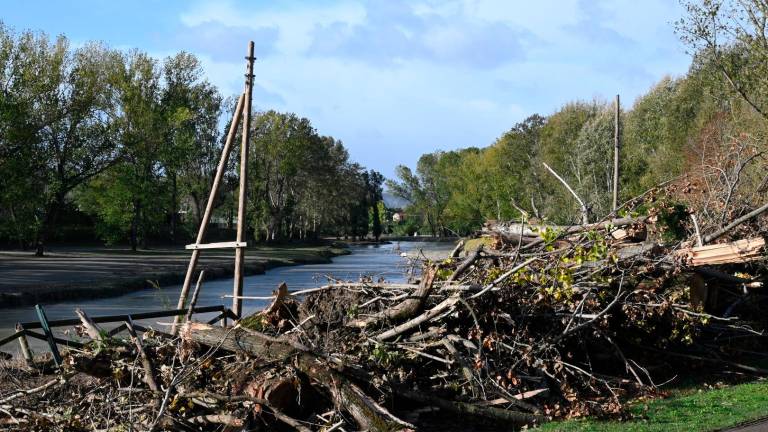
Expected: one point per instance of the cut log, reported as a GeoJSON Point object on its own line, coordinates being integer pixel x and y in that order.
{"type": "Point", "coordinates": [527, 230]}
{"type": "Point", "coordinates": [740, 251]}
{"type": "Point", "coordinates": [237, 339]}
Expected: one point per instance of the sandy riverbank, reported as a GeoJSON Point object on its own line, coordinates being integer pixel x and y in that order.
{"type": "Point", "coordinates": [87, 273]}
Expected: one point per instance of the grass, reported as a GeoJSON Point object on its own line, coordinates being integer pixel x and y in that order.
{"type": "Point", "coordinates": [694, 411]}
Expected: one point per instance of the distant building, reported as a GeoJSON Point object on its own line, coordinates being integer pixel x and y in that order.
{"type": "Point", "coordinates": [398, 216]}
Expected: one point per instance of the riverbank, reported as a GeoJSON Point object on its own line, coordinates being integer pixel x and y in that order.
{"type": "Point", "coordinates": [88, 273]}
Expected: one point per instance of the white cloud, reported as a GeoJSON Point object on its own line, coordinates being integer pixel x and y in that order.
{"type": "Point", "coordinates": [453, 74]}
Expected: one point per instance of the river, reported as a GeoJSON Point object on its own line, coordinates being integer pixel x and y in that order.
{"type": "Point", "coordinates": [369, 260]}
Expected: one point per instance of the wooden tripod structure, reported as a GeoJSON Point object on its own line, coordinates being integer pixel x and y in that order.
{"type": "Point", "coordinates": [243, 110]}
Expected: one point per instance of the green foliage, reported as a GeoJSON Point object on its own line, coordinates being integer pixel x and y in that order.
{"type": "Point", "coordinates": [304, 184]}
{"type": "Point", "coordinates": [134, 142]}
{"type": "Point", "coordinates": [384, 357]}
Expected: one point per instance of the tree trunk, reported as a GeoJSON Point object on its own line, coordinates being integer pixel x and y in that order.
{"type": "Point", "coordinates": [174, 207]}
{"type": "Point", "coordinates": [51, 216]}
{"type": "Point", "coordinates": [135, 227]}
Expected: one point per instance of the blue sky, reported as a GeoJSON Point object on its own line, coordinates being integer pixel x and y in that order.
{"type": "Point", "coordinates": [394, 79]}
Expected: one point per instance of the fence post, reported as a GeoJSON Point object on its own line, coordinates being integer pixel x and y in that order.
{"type": "Point", "coordinates": [24, 345]}
{"type": "Point", "coordinates": [47, 330]}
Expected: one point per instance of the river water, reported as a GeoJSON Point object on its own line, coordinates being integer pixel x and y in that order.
{"type": "Point", "coordinates": [378, 261]}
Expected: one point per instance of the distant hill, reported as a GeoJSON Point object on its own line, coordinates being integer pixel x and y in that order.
{"type": "Point", "coordinates": [394, 202]}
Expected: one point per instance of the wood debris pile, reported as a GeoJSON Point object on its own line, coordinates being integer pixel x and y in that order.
{"type": "Point", "coordinates": [532, 323]}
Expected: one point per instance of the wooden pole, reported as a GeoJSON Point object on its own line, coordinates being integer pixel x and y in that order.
{"type": "Point", "coordinates": [616, 156]}
{"type": "Point", "coordinates": [237, 306]}
{"type": "Point", "coordinates": [209, 208]}
{"type": "Point", "coordinates": [195, 293]}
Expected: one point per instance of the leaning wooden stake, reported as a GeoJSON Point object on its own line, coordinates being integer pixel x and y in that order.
{"type": "Point", "coordinates": [616, 156]}
{"type": "Point", "coordinates": [195, 293]}
{"type": "Point", "coordinates": [48, 334]}
{"type": "Point", "coordinates": [237, 305]}
{"type": "Point", "coordinates": [209, 208]}
{"type": "Point", "coordinates": [24, 345]}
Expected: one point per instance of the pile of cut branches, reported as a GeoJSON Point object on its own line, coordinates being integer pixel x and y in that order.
{"type": "Point", "coordinates": [529, 324]}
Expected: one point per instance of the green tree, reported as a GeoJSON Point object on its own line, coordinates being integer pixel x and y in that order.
{"type": "Point", "coordinates": [191, 107]}
{"type": "Point", "coordinates": [373, 181]}
{"type": "Point", "coordinates": [731, 35]}
{"type": "Point", "coordinates": [59, 117]}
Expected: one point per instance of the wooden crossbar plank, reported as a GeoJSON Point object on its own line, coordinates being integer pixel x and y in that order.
{"type": "Point", "coordinates": [141, 328]}
{"type": "Point", "coordinates": [117, 329]}
{"type": "Point", "coordinates": [220, 245]}
{"type": "Point", "coordinates": [123, 317]}
{"type": "Point", "coordinates": [218, 318]}
{"type": "Point", "coordinates": [12, 337]}
{"type": "Point", "coordinates": [58, 340]}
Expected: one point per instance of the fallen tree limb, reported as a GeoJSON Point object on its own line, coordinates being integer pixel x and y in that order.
{"type": "Point", "coordinates": [722, 231]}
{"type": "Point", "coordinates": [463, 408]}
{"type": "Point", "coordinates": [421, 319]}
{"type": "Point", "coordinates": [146, 362]}
{"type": "Point", "coordinates": [465, 264]}
{"type": "Point", "coordinates": [346, 395]}
{"type": "Point", "coordinates": [404, 309]}
{"type": "Point", "coordinates": [584, 208]}
{"type": "Point", "coordinates": [457, 250]}
{"type": "Point", "coordinates": [93, 330]}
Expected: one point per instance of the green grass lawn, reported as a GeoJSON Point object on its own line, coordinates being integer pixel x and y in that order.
{"type": "Point", "coordinates": [688, 411]}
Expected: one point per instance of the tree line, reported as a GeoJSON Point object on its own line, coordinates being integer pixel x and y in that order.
{"type": "Point", "coordinates": [704, 132]}
{"type": "Point", "coordinates": [117, 146]}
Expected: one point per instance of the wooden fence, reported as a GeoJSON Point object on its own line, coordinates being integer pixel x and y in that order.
{"type": "Point", "coordinates": [25, 329]}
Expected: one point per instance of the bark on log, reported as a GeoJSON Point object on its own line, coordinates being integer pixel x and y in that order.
{"type": "Point", "coordinates": [237, 340]}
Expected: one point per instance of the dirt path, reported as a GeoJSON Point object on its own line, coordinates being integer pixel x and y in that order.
{"type": "Point", "coordinates": [101, 272]}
